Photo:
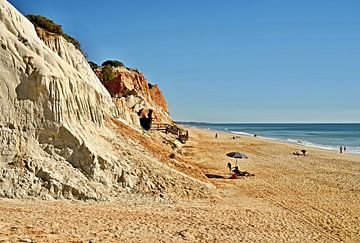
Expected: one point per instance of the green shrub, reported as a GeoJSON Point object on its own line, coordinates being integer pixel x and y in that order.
{"type": "Point", "coordinates": [49, 25]}
{"type": "Point", "coordinates": [45, 23]}
{"type": "Point", "coordinates": [113, 63]}
{"type": "Point", "coordinates": [108, 73]}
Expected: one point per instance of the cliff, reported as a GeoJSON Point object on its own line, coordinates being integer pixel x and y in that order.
{"type": "Point", "coordinates": [158, 97]}
{"type": "Point", "coordinates": [61, 136]}
{"type": "Point", "coordinates": [133, 95]}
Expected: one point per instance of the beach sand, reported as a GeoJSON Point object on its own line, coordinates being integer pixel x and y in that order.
{"type": "Point", "coordinates": [312, 198]}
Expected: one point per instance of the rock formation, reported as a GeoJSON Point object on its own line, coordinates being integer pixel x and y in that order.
{"type": "Point", "coordinates": [57, 124]}
{"type": "Point", "coordinates": [134, 96]}
{"type": "Point", "coordinates": [158, 97]}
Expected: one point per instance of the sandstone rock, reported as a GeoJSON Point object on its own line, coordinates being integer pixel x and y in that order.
{"type": "Point", "coordinates": [56, 140]}
{"type": "Point", "coordinates": [132, 94]}
{"type": "Point", "coordinates": [158, 97]}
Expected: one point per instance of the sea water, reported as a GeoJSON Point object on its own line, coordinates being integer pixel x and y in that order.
{"type": "Point", "coordinates": [326, 136]}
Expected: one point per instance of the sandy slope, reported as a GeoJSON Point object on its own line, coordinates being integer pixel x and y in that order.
{"type": "Point", "coordinates": [290, 199]}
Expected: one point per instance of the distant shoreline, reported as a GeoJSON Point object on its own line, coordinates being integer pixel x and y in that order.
{"type": "Point", "coordinates": [293, 141]}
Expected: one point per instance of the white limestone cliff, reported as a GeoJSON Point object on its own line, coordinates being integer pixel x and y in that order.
{"type": "Point", "coordinates": [54, 137]}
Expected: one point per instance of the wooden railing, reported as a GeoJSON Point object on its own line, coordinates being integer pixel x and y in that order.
{"type": "Point", "coordinates": [183, 135]}
{"type": "Point", "coordinates": [161, 126]}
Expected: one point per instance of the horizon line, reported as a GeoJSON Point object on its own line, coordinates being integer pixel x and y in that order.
{"type": "Point", "coordinates": [215, 123]}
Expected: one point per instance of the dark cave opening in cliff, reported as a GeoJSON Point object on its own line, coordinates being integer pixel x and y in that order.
{"type": "Point", "coordinates": [146, 122]}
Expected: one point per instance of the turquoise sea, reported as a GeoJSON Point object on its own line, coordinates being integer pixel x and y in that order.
{"type": "Point", "coordinates": [326, 136]}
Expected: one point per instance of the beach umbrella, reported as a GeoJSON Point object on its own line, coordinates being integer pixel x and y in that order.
{"type": "Point", "coordinates": [237, 155]}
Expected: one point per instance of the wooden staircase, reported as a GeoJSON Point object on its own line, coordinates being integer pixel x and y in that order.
{"type": "Point", "coordinates": [183, 135]}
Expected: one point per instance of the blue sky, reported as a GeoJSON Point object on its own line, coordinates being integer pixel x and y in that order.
{"type": "Point", "coordinates": [229, 60]}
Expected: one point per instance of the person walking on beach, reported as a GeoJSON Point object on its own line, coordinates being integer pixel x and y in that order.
{"type": "Point", "coordinates": [341, 149]}
{"type": "Point", "coordinates": [344, 149]}
{"type": "Point", "coordinates": [215, 135]}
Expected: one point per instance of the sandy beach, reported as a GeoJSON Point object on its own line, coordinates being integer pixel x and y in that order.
{"type": "Point", "coordinates": [90, 150]}
{"type": "Point", "coordinates": [312, 198]}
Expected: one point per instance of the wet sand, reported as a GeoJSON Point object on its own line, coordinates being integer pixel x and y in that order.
{"type": "Point", "coordinates": [312, 198]}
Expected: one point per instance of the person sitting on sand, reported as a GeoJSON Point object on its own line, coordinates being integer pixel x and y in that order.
{"type": "Point", "coordinates": [236, 170]}
{"type": "Point", "coordinates": [303, 151]}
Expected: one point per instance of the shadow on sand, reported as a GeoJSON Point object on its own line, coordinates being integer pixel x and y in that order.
{"type": "Point", "coordinates": [212, 176]}
{"type": "Point", "coordinates": [241, 174]}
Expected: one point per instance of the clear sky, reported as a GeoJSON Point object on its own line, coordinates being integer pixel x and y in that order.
{"type": "Point", "coordinates": [228, 60]}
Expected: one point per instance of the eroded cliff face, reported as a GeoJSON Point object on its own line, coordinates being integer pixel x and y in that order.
{"type": "Point", "coordinates": [158, 97]}
{"type": "Point", "coordinates": [58, 134]}
{"type": "Point", "coordinates": [134, 96]}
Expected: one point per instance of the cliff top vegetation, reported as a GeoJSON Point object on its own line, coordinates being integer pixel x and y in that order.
{"type": "Point", "coordinates": [50, 26]}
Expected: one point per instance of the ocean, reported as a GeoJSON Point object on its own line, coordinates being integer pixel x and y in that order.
{"type": "Point", "coordinates": [325, 136]}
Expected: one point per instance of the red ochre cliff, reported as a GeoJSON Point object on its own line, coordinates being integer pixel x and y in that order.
{"type": "Point", "coordinates": [133, 94]}
{"type": "Point", "coordinates": [158, 97]}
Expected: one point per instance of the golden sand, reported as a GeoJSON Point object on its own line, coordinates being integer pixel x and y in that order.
{"type": "Point", "coordinates": [312, 198]}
